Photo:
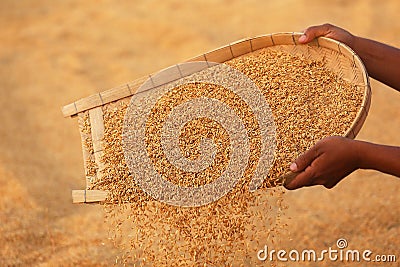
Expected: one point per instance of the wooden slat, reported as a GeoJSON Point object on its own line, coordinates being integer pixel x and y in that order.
{"type": "Point", "coordinates": [201, 57]}
{"type": "Point", "coordinates": [261, 41]}
{"type": "Point", "coordinates": [283, 38]}
{"type": "Point", "coordinates": [219, 55]}
{"type": "Point", "coordinates": [102, 98]}
{"type": "Point", "coordinates": [69, 110]}
{"type": "Point", "coordinates": [296, 36]}
{"type": "Point", "coordinates": [88, 196]}
{"type": "Point", "coordinates": [192, 67]}
{"type": "Point", "coordinates": [241, 47]}
{"type": "Point", "coordinates": [97, 128]}
{"type": "Point", "coordinates": [85, 152]}
{"type": "Point", "coordinates": [89, 102]}
{"type": "Point", "coordinates": [166, 76]}
{"type": "Point", "coordinates": [116, 93]}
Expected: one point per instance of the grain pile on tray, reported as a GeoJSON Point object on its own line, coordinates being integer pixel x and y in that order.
{"type": "Point", "coordinates": [308, 102]}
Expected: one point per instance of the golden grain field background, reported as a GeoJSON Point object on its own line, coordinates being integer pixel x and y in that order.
{"type": "Point", "coordinates": [55, 52]}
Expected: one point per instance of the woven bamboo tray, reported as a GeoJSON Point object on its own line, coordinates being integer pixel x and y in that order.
{"type": "Point", "coordinates": [339, 58]}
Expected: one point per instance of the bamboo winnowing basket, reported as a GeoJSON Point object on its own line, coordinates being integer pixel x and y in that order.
{"type": "Point", "coordinates": [339, 58]}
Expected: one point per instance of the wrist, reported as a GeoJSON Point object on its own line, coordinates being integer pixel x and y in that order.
{"type": "Point", "coordinates": [358, 152]}
{"type": "Point", "coordinates": [364, 152]}
{"type": "Point", "coordinates": [351, 41]}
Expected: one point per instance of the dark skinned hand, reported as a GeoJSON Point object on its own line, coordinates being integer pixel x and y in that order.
{"type": "Point", "coordinates": [326, 163]}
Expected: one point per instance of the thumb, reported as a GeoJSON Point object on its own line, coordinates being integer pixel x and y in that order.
{"type": "Point", "coordinates": [313, 32]}
{"type": "Point", "coordinates": [304, 160]}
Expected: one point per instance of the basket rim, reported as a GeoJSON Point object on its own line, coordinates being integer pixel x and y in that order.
{"type": "Point", "coordinates": [233, 50]}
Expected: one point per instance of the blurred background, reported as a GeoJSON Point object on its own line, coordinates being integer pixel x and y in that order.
{"type": "Point", "coordinates": [55, 52]}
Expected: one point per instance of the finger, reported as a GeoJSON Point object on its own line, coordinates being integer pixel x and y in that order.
{"type": "Point", "coordinates": [305, 178]}
{"type": "Point", "coordinates": [313, 32]}
{"type": "Point", "coordinates": [305, 159]}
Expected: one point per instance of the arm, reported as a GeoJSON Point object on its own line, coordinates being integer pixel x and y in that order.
{"type": "Point", "coordinates": [333, 158]}
{"type": "Point", "coordinates": [382, 61]}
{"type": "Point", "coordinates": [379, 157]}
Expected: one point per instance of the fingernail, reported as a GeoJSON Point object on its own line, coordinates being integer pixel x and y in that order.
{"type": "Point", "coordinates": [302, 38]}
{"type": "Point", "coordinates": [293, 167]}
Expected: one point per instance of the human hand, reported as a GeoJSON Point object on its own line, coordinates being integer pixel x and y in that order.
{"type": "Point", "coordinates": [326, 163]}
{"type": "Point", "coordinates": [327, 30]}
